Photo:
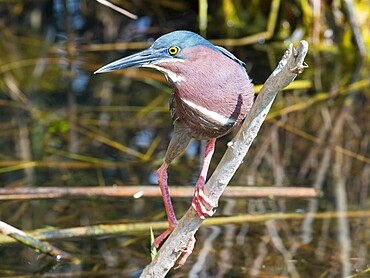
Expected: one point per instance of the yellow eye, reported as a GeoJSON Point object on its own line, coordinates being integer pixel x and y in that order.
{"type": "Point", "coordinates": [173, 50]}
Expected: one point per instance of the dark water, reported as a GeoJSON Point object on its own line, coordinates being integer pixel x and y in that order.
{"type": "Point", "coordinates": [63, 126]}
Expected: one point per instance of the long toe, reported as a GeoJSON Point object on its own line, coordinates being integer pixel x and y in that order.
{"type": "Point", "coordinates": [202, 204]}
{"type": "Point", "coordinates": [187, 252]}
{"type": "Point", "coordinates": [158, 240]}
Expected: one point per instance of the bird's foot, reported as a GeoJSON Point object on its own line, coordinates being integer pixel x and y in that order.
{"type": "Point", "coordinates": [187, 250]}
{"type": "Point", "coordinates": [201, 203]}
{"type": "Point", "coordinates": [158, 240]}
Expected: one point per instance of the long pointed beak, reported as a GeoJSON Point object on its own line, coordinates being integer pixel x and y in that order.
{"type": "Point", "coordinates": [140, 59]}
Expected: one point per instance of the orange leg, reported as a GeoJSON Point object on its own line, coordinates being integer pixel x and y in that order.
{"type": "Point", "coordinates": [172, 221]}
{"type": "Point", "coordinates": [201, 203]}
{"type": "Point", "coordinates": [180, 140]}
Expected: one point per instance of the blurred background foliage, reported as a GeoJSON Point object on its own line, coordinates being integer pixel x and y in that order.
{"type": "Point", "coordinates": [62, 126]}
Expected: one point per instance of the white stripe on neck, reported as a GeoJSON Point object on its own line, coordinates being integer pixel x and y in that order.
{"type": "Point", "coordinates": [175, 78]}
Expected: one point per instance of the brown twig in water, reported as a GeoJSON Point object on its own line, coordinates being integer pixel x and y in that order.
{"type": "Point", "coordinates": [26, 193]}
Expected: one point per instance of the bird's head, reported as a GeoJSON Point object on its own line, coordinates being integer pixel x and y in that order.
{"type": "Point", "coordinates": [169, 53]}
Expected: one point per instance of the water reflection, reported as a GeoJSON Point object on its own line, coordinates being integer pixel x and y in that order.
{"type": "Point", "coordinates": [62, 126]}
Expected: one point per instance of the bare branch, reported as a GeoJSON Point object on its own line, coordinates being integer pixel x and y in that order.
{"type": "Point", "coordinates": [289, 67]}
{"type": "Point", "coordinates": [30, 193]}
{"type": "Point", "coordinates": [32, 242]}
{"type": "Point", "coordinates": [50, 233]}
{"type": "Point", "coordinates": [118, 9]}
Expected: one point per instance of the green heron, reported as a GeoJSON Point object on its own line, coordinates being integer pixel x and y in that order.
{"type": "Point", "coordinates": [211, 95]}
